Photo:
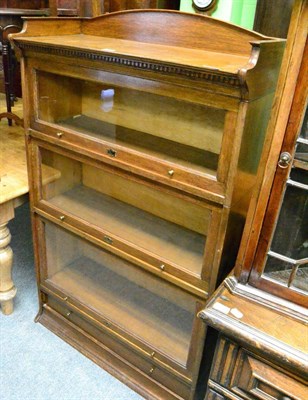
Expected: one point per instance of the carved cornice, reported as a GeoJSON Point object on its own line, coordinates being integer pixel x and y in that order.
{"type": "Point", "coordinates": [216, 77]}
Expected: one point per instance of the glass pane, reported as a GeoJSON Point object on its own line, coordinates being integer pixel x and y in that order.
{"type": "Point", "coordinates": [302, 142]}
{"type": "Point", "coordinates": [288, 257]}
{"type": "Point", "coordinates": [278, 270]}
{"type": "Point", "coordinates": [304, 131]}
{"type": "Point", "coordinates": [300, 176]}
{"type": "Point", "coordinates": [302, 151]}
{"type": "Point", "coordinates": [183, 132]}
{"type": "Point", "coordinates": [291, 231]}
{"type": "Point", "coordinates": [287, 273]}
{"type": "Point", "coordinates": [301, 279]}
{"type": "Point", "coordinates": [168, 228]}
{"type": "Point", "coordinates": [148, 308]}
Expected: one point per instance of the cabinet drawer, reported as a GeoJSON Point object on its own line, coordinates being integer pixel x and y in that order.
{"type": "Point", "coordinates": [138, 308]}
{"type": "Point", "coordinates": [163, 131]}
{"type": "Point", "coordinates": [258, 380]}
{"type": "Point", "coordinates": [148, 365]}
{"type": "Point", "coordinates": [250, 377]}
{"type": "Point", "coordinates": [171, 235]}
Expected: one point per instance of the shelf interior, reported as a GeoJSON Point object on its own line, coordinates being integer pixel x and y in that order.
{"type": "Point", "coordinates": [163, 226]}
{"type": "Point", "coordinates": [152, 310]}
{"type": "Point", "coordinates": [165, 240]}
{"type": "Point", "coordinates": [183, 132]}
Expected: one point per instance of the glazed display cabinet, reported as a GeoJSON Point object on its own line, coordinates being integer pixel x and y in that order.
{"type": "Point", "coordinates": [261, 311]}
{"type": "Point", "coordinates": [156, 137]}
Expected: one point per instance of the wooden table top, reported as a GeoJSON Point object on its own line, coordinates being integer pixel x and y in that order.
{"type": "Point", "coordinates": [13, 164]}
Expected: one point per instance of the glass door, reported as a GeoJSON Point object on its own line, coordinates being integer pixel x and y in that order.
{"type": "Point", "coordinates": [165, 127]}
{"type": "Point", "coordinates": [284, 237]}
{"type": "Point", "coordinates": [144, 309]}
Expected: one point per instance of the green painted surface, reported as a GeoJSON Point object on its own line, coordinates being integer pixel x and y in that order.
{"type": "Point", "coordinates": [240, 12]}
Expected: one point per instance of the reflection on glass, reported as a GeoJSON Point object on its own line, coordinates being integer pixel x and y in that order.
{"type": "Point", "coordinates": [169, 229]}
{"type": "Point", "coordinates": [184, 132]}
{"type": "Point", "coordinates": [107, 96]}
{"type": "Point", "coordinates": [137, 302]}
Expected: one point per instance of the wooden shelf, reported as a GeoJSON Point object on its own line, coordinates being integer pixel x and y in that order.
{"type": "Point", "coordinates": [153, 319]}
{"type": "Point", "coordinates": [167, 150]}
{"type": "Point", "coordinates": [166, 240]}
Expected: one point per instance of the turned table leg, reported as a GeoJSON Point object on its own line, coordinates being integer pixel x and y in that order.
{"type": "Point", "coordinates": [7, 288]}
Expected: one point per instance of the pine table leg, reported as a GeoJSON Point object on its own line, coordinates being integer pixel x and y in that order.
{"type": "Point", "coordinates": [7, 288]}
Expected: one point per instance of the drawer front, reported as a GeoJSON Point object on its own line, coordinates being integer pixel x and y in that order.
{"type": "Point", "coordinates": [162, 131]}
{"type": "Point", "coordinates": [173, 236]}
{"type": "Point", "coordinates": [252, 378]}
{"type": "Point", "coordinates": [259, 380]}
{"type": "Point", "coordinates": [148, 367]}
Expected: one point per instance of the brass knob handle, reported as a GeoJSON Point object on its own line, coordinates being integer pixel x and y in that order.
{"type": "Point", "coordinates": [170, 172]}
{"type": "Point", "coordinates": [65, 298]}
{"type": "Point", "coordinates": [62, 217]}
{"type": "Point", "coordinates": [59, 134]}
{"type": "Point", "coordinates": [153, 354]}
{"type": "Point", "coordinates": [162, 267]}
{"type": "Point", "coordinates": [151, 371]}
{"type": "Point", "coordinates": [284, 159]}
{"type": "Point", "coordinates": [68, 313]}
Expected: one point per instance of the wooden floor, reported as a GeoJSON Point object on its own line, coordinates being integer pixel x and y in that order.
{"type": "Point", "coordinates": [17, 109]}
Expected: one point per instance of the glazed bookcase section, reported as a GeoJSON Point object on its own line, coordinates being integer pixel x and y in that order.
{"type": "Point", "coordinates": [164, 132]}
{"type": "Point", "coordinates": [166, 128]}
{"type": "Point", "coordinates": [165, 233]}
{"type": "Point", "coordinates": [140, 309]}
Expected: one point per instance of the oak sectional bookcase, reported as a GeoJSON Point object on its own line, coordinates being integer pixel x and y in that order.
{"type": "Point", "coordinates": [155, 121]}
